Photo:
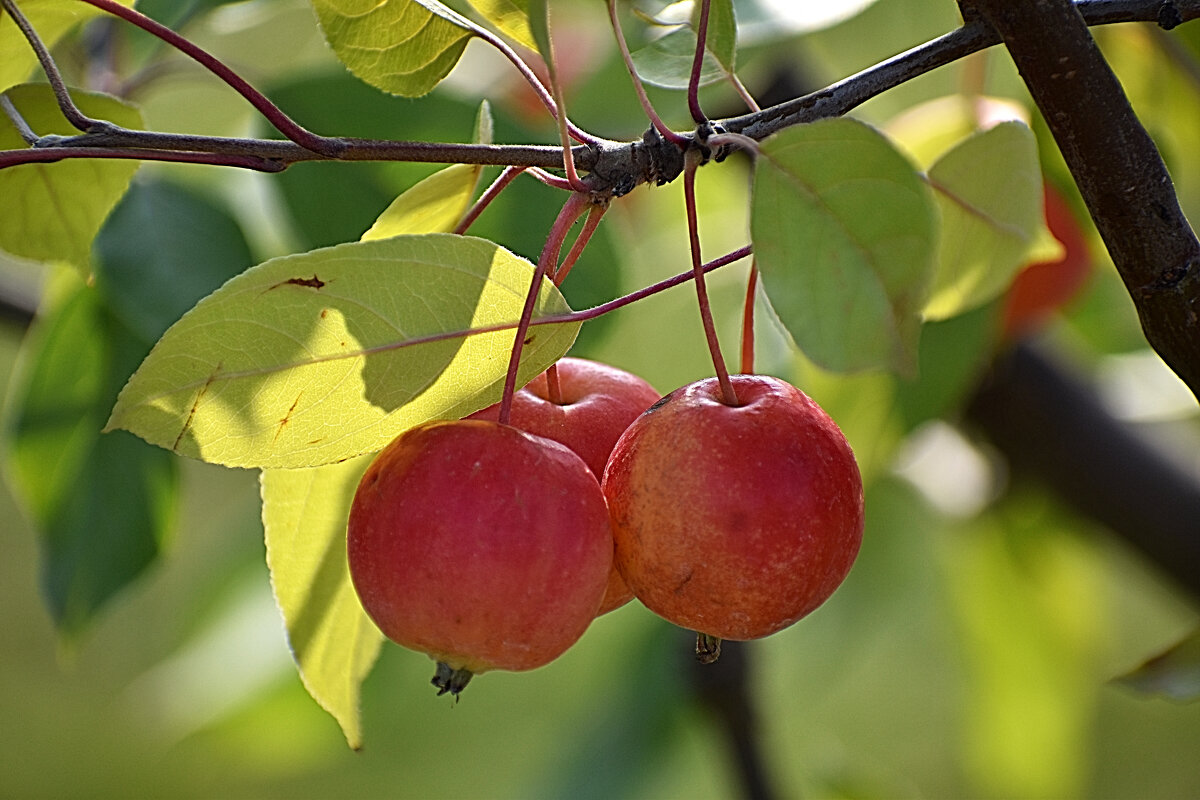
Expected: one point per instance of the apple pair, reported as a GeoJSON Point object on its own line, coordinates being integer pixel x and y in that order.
{"type": "Point", "coordinates": [492, 546]}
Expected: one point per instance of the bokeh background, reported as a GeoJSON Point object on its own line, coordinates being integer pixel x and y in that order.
{"type": "Point", "coordinates": [976, 649]}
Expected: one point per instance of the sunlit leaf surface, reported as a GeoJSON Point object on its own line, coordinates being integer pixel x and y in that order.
{"type": "Point", "coordinates": [989, 190]}
{"type": "Point", "coordinates": [315, 358]}
{"type": "Point", "coordinates": [844, 231]}
{"type": "Point", "coordinates": [437, 203]}
{"type": "Point", "coordinates": [511, 17]}
{"type": "Point", "coordinates": [333, 641]}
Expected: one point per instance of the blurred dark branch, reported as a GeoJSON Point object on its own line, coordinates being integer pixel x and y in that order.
{"type": "Point", "coordinates": [723, 689]}
{"type": "Point", "coordinates": [1050, 423]}
{"type": "Point", "coordinates": [1115, 163]}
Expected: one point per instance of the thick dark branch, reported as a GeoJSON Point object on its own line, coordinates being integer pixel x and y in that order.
{"type": "Point", "coordinates": [1048, 423]}
{"type": "Point", "coordinates": [974, 35]}
{"type": "Point", "coordinates": [1116, 165]}
{"type": "Point", "coordinates": [615, 168]}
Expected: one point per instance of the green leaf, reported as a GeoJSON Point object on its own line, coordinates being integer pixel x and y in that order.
{"type": "Point", "coordinates": [989, 191]}
{"type": "Point", "coordinates": [333, 641]}
{"type": "Point", "coordinates": [314, 358]}
{"type": "Point", "coordinates": [539, 29]}
{"type": "Point", "coordinates": [1174, 673]}
{"type": "Point", "coordinates": [51, 19]}
{"type": "Point", "coordinates": [843, 231]}
{"type": "Point", "coordinates": [102, 504]}
{"type": "Point", "coordinates": [667, 62]}
{"type": "Point", "coordinates": [721, 41]}
{"type": "Point", "coordinates": [438, 203]}
{"type": "Point", "coordinates": [435, 204]}
{"type": "Point", "coordinates": [164, 248]}
{"type": "Point", "coordinates": [61, 206]}
{"type": "Point", "coordinates": [404, 47]}
{"type": "Point", "coordinates": [511, 17]}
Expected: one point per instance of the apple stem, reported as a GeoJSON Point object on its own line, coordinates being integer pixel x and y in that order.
{"type": "Point", "coordinates": [748, 321]}
{"type": "Point", "coordinates": [708, 648]}
{"type": "Point", "coordinates": [553, 387]}
{"type": "Point", "coordinates": [448, 679]}
{"type": "Point", "coordinates": [570, 212]}
{"type": "Point", "coordinates": [728, 395]}
{"type": "Point", "coordinates": [698, 65]}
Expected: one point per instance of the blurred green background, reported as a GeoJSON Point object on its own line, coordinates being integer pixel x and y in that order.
{"type": "Point", "coordinates": [971, 653]}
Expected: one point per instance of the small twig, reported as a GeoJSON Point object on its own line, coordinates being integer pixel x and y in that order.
{"type": "Point", "coordinates": [72, 112]}
{"type": "Point", "coordinates": [547, 263]}
{"type": "Point", "coordinates": [18, 121]}
{"type": "Point", "coordinates": [549, 100]}
{"type": "Point", "coordinates": [281, 121]}
{"type": "Point", "coordinates": [50, 155]}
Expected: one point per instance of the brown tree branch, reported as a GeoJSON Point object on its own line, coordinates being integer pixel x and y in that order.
{"type": "Point", "coordinates": [615, 167]}
{"type": "Point", "coordinates": [1115, 163]}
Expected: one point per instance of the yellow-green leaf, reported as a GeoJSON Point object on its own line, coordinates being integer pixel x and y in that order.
{"type": "Point", "coordinates": [437, 203]}
{"type": "Point", "coordinates": [51, 19]}
{"type": "Point", "coordinates": [434, 204]}
{"type": "Point", "coordinates": [404, 47]}
{"type": "Point", "coordinates": [314, 358]}
{"type": "Point", "coordinates": [511, 17]}
{"type": "Point", "coordinates": [52, 212]}
{"type": "Point", "coordinates": [333, 641]}
{"type": "Point", "coordinates": [844, 232]}
{"type": "Point", "coordinates": [989, 190]}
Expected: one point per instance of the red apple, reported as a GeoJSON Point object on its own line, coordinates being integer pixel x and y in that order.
{"type": "Point", "coordinates": [480, 545]}
{"type": "Point", "coordinates": [1044, 287]}
{"type": "Point", "coordinates": [597, 403]}
{"type": "Point", "coordinates": [734, 521]}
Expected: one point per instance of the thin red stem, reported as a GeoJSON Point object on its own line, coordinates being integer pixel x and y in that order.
{"type": "Point", "coordinates": [549, 100]}
{"type": "Point", "coordinates": [655, 120]}
{"type": "Point", "coordinates": [282, 122]}
{"type": "Point", "coordinates": [697, 65]}
{"type": "Point", "coordinates": [507, 176]}
{"type": "Point", "coordinates": [748, 321]}
{"type": "Point", "coordinates": [50, 155]}
{"type": "Point", "coordinates": [729, 396]}
{"type": "Point", "coordinates": [585, 235]}
{"type": "Point", "coordinates": [570, 212]}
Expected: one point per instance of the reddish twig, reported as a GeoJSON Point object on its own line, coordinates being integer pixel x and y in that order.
{"type": "Point", "coordinates": [710, 329]}
{"type": "Point", "coordinates": [575, 205]}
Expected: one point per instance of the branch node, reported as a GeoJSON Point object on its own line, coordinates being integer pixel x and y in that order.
{"type": "Point", "coordinates": [1168, 15]}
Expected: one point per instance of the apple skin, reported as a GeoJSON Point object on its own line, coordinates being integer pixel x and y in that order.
{"type": "Point", "coordinates": [480, 545]}
{"type": "Point", "coordinates": [599, 403]}
{"type": "Point", "coordinates": [734, 521]}
{"type": "Point", "coordinates": [1046, 286]}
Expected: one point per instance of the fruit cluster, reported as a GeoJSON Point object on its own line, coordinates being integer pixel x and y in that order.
{"type": "Point", "coordinates": [494, 546]}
